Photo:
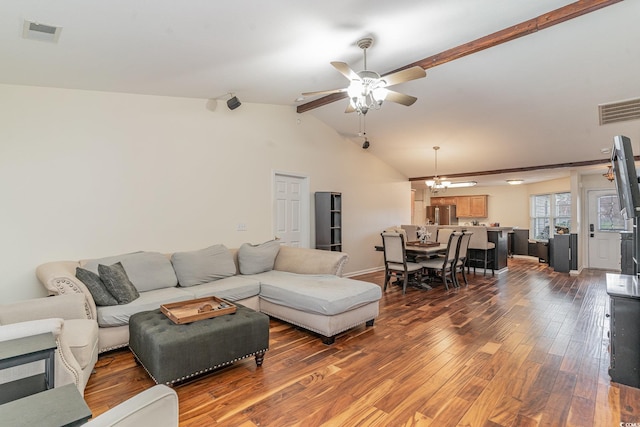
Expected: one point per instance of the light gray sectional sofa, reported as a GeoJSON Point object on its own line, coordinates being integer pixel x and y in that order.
{"type": "Point", "coordinates": [301, 286]}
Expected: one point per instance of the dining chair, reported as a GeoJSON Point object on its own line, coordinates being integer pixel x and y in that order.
{"type": "Point", "coordinates": [395, 260]}
{"type": "Point", "coordinates": [445, 265]}
{"type": "Point", "coordinates": [443, 235]}
{"type": "Point", "coordinates": [479, 247]}
{"type": "Point", "coordinates": [461, 258]}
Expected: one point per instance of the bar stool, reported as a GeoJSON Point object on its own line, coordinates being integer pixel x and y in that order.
{"type": "Point", "coordinates": [479, 247]}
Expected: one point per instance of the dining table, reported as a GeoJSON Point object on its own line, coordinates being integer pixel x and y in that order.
{"type": "Point", "coordinates": [416, 249]}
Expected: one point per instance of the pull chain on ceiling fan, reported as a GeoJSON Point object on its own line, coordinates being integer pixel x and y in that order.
{"type": "Point", "coordinates": [368, 90]}
{"type": "Point", "coordinates": [363, 132]}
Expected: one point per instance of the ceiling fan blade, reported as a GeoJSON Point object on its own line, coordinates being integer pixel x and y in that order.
{"type": "Point", "coordinates": [324, 92]}
{"type": "Point", "coordinates": [409, 74]}
{"type": "Point", "coordinates": [345, 70]}
{"type": "Point", "coordinates": [400, 98]}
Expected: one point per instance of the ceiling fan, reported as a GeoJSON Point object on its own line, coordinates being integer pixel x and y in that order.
{"type": "Point", "coordinates": [368, 89]}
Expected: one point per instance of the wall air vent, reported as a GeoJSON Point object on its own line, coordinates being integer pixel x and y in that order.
{"type": "Point", "coordinates": [36, 31]}
{"type": "Point", "coordinates": [619, 111]}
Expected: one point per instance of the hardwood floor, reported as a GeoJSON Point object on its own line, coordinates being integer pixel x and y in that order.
{"type": "Point", "coordinates": [524, 348]}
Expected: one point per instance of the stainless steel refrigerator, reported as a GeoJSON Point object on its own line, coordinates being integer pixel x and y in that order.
{"type": "Point", "coordinates": [442, 215]}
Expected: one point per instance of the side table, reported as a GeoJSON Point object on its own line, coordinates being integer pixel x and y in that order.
{"type": "Point", "coordinates": [62, 406]}
{"type": "Point", "coordinates": [26, 350]}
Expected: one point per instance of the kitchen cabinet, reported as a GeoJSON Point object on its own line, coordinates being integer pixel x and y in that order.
{"type": "Point", "coordinates": [501, 252]}
{"type": "Point", "coordinates": [443, 201]}
{"type": "Point", "coordinates": [471, 206]}
{"type": "Point", "coordinates": [563, 252]}
{"type": "Point", "coordinates": [624, 317]}
{"type": "Point", "coordinates": [627, 266]}
{"type": "Point", "coordinates": [521, 242]}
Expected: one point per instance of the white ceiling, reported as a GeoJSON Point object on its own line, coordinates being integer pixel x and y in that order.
{"type": "Point", "coordinates": [532, 101]}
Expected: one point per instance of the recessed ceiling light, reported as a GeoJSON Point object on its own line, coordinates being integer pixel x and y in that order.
{"type": "Point", "coordinates": [515, 181]}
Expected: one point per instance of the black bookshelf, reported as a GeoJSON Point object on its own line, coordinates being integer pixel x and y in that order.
{"type": "Point", "coordinates": [328, 221]}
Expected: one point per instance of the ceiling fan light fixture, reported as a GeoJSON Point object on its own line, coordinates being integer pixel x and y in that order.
{"type": "Point", "coordinates": [367, 89]}
{"type": "Point", "coordinates": [365, 96]}
{"type": "Point", "coordinates": [380, 94]}
{"type": "Point", "coordinates": [355, 89]}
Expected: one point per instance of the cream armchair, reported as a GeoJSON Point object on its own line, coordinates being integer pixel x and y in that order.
{"type": "Point", "coordinates": [76, 336]}
{"type": "Point", "coordinates": [156, 406]}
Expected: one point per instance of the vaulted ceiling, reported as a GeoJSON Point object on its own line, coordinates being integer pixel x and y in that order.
{"type": "Point", "coordinates": [529, 101]}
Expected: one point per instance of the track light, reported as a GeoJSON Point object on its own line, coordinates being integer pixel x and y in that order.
{"type": "Point", "coordinates": [233, 103]}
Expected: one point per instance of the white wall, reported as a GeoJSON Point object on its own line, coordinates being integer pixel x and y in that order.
{"type": "Point", "coordinates": [553, 186]}
{"type": "Point", "coordinates": [88, 174]}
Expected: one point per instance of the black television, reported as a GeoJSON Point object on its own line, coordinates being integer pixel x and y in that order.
{"type": "Point", "coordinates": [626, 177]}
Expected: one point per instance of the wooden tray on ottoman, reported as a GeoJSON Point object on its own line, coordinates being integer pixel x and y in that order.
{"type": "Point", "coordinates": [197, 309]}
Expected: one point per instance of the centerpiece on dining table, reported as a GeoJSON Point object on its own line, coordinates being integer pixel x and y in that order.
{"type": "Point", "coordinates": [424, 237]}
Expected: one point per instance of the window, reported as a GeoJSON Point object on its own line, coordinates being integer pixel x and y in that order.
{"type": "Point", "coordinates": [562, 216]}
{"type": "Point", "coordinates": [540, 213]}
{"type": "Point", "coordinates": [547, 209]}
{"type": "Point", "coordinates": [609, 216]}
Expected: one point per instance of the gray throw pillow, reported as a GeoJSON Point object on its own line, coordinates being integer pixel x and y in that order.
{"type": "Point", "coordinates": [117, 283]}
{"type": "Point", "coordinates": [99, 292]}
{"type": "Point", "coordinates": [204, 265]}
{"type": "Point", "coordinates": [146, 270]}
{"type": "Point", "coordinates": [254, 259]}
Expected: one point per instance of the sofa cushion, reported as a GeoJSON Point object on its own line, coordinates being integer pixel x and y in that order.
{"type": "Point", "coordinates": [253, 259]}
{"type": "Point", "coordinates": [310, 261]}
{"type": "Point", "coordinates": [99, 292]}
{"type": "Point", "coordinates": [146, 270]}
{"type": "Point", "coordinates": [204, 265]}
{"type": "Point", "coordinates": [321, 294]}
{"type": "Point", "coordinates": [117, 282]}
{"type": "Point", "coordinates": [82, 337]}
{"type": "Point", "coordinates": [233, 288]}
{"type": "Point", "coordinates": [118, 315]}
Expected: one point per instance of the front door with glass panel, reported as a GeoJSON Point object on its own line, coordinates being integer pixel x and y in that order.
{"type": "Point", "coordinates": [605, 225]}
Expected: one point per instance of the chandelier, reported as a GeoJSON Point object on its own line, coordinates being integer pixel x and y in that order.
{"type": "Point", "coordinates": [437, 184]}
{"type": "Point", "coordinates": [609, 174]}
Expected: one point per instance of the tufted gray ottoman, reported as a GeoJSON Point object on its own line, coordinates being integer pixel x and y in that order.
{"type": "Point", "coordinates": [172, 353]}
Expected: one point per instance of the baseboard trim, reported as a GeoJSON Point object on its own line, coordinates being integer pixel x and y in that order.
{"type": "Point", "coordinates": [366, 271]}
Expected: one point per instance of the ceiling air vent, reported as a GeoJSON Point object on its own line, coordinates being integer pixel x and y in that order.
{"type": "Point", "coordinates": [619, 111]}
{"type": "Point", "coordinates": [36, 31]}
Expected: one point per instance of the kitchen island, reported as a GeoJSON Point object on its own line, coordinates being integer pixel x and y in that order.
{"type": "Point", "coordinates": [500, 237]}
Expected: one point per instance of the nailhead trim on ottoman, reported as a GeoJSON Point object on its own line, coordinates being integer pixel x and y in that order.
{"type": "Point", "coordinates": [172, 353]}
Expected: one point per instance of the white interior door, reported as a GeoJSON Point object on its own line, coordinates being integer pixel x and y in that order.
{"type": "Point", "coordinates": [291, 209]}
{"type": "Point", "coordinates": [605, 224]}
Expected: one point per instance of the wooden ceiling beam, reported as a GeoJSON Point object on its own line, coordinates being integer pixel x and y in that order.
{"type": "Point", "coordinates": [530, 26]}
{"type": "Point", "coordinates": [522, 169]}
